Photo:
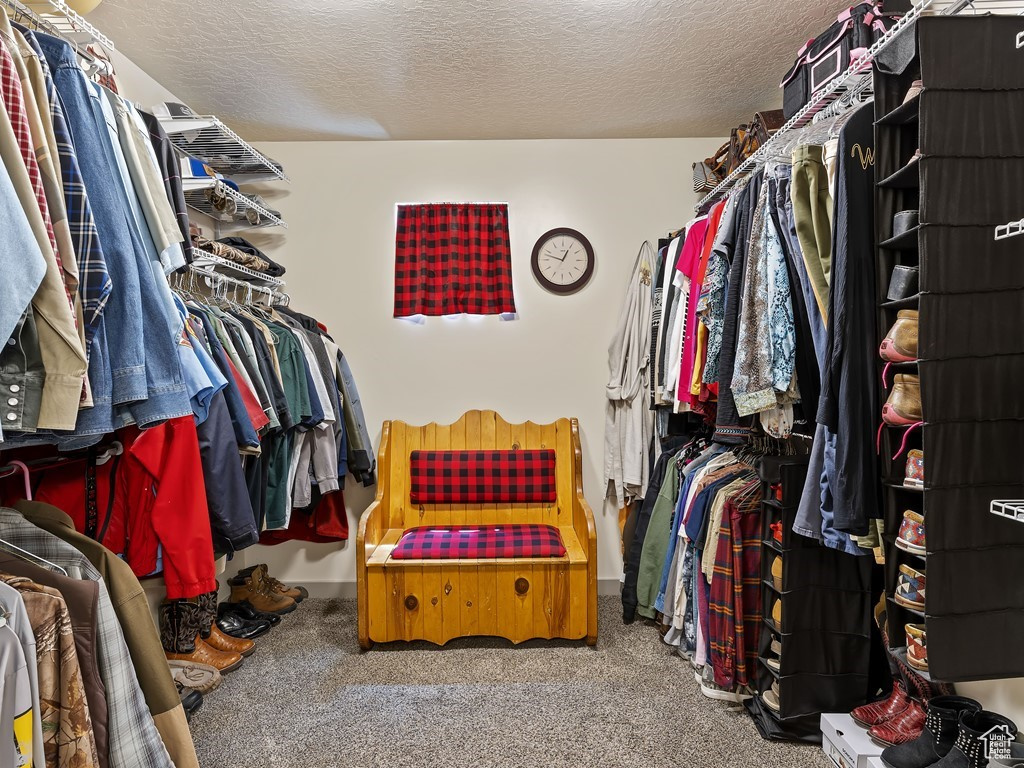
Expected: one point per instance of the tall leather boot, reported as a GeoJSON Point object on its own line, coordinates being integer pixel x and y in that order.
{"type": "Point", "coordinates": [979, 733]}
{"type": "Point", "coordinates": [178, 626]}
{"type": "Point", "coordinates": [941, 726]}
{"type": "Point", "coordinates": [180, 623]}
{"type": "Point", "coordinates": [210, 632]}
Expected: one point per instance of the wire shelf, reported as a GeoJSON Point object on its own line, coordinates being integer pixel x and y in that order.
{"type": "Point", "coordinates": [1012, 509]}
{"type": "Point", "coordinates": [1013, 229]}
{"type": "Point", "coordinates": [854, 81]}
{"type": "Point", "coordinates": [201, 200]}
{"type": "Point", "coordinates": [56, 18]}
{"type": "Point", "coordinates": [231, 269]}
{"type": "Point", "coordinates": [208, 139]}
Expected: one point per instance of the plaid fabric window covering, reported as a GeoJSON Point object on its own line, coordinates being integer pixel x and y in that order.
{"type": "Point", "coordinates": [453, 258]}
{"type": "Point", "coordinates": [484, 542]}
{"type": "Point", "coordinates": [482, 477]}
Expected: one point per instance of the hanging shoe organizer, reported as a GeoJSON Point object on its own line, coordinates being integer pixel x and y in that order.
{"type": "Point", "coordinates": [825, 634]}
{"type": "Point", "coordinates": [971, 307]}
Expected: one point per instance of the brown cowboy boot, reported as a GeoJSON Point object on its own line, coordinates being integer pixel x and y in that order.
{"type": "Point", "coordinates": [179, 633]}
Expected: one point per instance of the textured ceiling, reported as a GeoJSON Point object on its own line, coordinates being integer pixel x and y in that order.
{"type": "Point", "coordinates": [468, 69]}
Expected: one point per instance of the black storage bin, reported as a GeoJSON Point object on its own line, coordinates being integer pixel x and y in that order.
{"type": "Point", "coordinates": [991, 577]}
{"type": "Point", "coordinates": [961, 517]}
{"type": "Point", "coordinates": [988, 54]}
{"type": "Point", "coordinates": [973, 454]}
{"type": "Point", "coordinates": [972, 389]}
{"type": "Point", "coordinates": [976, 646]}
{"type": "Point", "coordinates": [971, 191]}
{"type": "Point", "coordinates": [822, 653]}
{"type": "Point", "coordinates": [819, 566]}
{"type": "Point", "coordinates": [969, 260]}
{"type": "Point", "coordinates": [832, 52]}
{"type": "Point", "coordinates": [949, 123]}
{"type": "Point", "coordinates": [970, 325]}
{"type": "Point", "coordinates": [772, 728]}
{"type": "Point", "coordinates": [822, 609]}
{"type": "Point", "coordinates": [810, 693]}
{"type": "Point", "coordinates": [796, 85]}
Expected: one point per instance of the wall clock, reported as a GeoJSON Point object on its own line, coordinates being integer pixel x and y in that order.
{"type": "Point", "coordinates": [563, 260]}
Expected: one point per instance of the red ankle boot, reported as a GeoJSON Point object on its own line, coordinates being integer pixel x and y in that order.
{"type": "Point", "coordinates": [880, 711]}
{"type": "Point", "coordinates": [906, 726]}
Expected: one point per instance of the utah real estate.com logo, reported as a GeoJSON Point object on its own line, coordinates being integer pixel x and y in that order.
{"type": "Point", "coordinates": [997, 743]}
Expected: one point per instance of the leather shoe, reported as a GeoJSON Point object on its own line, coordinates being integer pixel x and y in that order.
{"type": "Point", "coordinates": [191, 700]}
{"type": "Point", "coordinates": [877, 712]}
{"type": "Point", "coordinates": [298, 594]}
{"type": "Point", "coordinates": [205, 653]}
{"type": "Point", "coordinates": [258, 592]}
{"type": "Point", "coordinates": [234, 625]}
{"type": "Point", "coordinates": [906, 726]}
{"type": "Point", "coordinates": [247, 612]}
{"type": "Point", "coordinates": [230, 644]}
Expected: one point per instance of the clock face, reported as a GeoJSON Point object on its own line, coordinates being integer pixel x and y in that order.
{"type": "Point", "coordinates": [563, 260]}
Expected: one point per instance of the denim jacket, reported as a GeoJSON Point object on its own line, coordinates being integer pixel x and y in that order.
{"type": "Point", "coordinates": [120, 347]}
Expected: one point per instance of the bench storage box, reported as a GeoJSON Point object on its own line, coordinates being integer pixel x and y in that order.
{"type": "Point", "coordinates": [479, 528]}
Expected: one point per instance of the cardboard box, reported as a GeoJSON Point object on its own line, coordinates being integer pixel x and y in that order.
{"type": "Point", "coordinates": [847, 744]}
{"type": "Point", "coordinates": [875, 762]}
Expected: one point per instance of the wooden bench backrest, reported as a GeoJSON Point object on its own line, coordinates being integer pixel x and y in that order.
{"type": "Point", "coordinates": [473, 431]}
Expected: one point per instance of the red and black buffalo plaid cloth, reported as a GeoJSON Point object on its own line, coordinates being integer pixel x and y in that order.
{"type": "Point", "coordinates": [482, 477]}
{"type": "Point", "coordinates": [484, 542]}
{"type": "Point", "coordinates": [453, 259]}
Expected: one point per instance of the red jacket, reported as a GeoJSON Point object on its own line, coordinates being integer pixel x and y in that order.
{"type": "Point", "coordinates": [148, 499]}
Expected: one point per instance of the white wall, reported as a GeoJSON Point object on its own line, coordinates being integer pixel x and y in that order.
{"type": "Point", "coordinates": [339, 250]}
{"type": "Point", "coordinates": [552, 362]}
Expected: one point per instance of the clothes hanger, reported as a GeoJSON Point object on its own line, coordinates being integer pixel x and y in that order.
{"type": "Point", "coordinates": [14, 467]}
{"type": "Point", "coordinates": [114, 449]}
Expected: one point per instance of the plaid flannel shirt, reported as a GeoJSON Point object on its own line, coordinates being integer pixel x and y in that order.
{"type": "Point", "coordinates": [14, 103]}
{"type": "Point", "coordinates": [94, 279]}
{"type": "Point", "coordinates": [134, 739]}
{"type": "Point", "coordinates": [735, 600]}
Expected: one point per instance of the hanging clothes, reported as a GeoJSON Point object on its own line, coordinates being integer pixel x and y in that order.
{"type": "Point", "coordinates": [628, 421]}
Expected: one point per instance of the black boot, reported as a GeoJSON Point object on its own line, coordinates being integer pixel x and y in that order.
{"type": "Point", "coordinates": [980, 732]}
{"type": "Point", "coordinates": [940, 731]}
{"type": "Point", "coordinates": [207, 613]}
{"type": "Point", "coordinates": [179, 625]}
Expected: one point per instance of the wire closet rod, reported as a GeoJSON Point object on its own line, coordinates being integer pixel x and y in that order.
{"type": "Point", "coordinates": [852, 77]}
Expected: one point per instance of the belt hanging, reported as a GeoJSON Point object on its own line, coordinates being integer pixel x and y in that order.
{"type": "Point", "coordinates": [91, 511]}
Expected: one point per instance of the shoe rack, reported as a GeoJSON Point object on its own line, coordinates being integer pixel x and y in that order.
{"type": "Point", "coordinates": [967, 191]}
{"type": "Point", "coordinates": [825, 633]}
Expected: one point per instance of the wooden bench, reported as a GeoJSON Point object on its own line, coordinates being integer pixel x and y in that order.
{"type": "Point", "coordinates": [518, 598]}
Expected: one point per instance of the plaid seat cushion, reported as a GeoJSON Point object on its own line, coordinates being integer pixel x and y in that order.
{"type": "Point", "coordinates": [482, 541]}
{"type": "Point", "coordinates": [481, 477]}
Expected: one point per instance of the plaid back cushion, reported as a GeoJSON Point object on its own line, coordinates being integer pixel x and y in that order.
{"type": "Point", "coordinates": [482, 477]}
{"type": "Point", "coordinates": [484, 542]}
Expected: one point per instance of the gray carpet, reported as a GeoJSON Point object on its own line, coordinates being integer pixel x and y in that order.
{"type": "Point", "coordinates": [308, 697]}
